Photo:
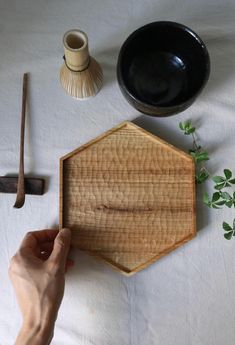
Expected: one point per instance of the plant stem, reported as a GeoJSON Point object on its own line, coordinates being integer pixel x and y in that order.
{"type": "Point", "coordinates": [198, 148]}
{"type": "Point", "coordinates": [195, 142]}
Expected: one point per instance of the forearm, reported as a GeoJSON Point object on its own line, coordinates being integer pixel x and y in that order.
{"type": "Point", "coordinates": [36, 335]}
{"type": "Point", "coordinates": [37, 272]}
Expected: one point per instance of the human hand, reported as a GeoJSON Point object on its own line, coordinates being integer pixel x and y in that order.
{"type": "Point", "coordinates": [37, 273]}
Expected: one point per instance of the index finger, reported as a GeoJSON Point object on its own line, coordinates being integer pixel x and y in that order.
{"type": "Point", "coordinates": [34, 238]}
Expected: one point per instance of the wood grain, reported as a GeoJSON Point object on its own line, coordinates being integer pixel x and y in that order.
{"type": "Point", "coordinates": [128, 196]}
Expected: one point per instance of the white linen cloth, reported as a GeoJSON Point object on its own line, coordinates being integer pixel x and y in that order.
{"type": "Point", "coordinates": [187, 297]}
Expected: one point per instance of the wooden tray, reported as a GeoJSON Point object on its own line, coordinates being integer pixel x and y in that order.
{"type": "Point", "coordinates": [128, 196]}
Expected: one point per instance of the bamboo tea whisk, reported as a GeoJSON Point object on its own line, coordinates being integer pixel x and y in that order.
{"type": "Point", "coordinates": [80, 75]}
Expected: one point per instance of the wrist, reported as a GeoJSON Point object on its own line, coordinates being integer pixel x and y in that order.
{"type": "Point", "coordinates": [40, 317]}
{"type": "Point", "coordinates": [36, 323]}
{"type": "Point", "coordinates": [35, 333]}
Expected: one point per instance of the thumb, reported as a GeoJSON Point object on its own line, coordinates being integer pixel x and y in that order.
{"type": "Point", "coordinates": [61, 247]}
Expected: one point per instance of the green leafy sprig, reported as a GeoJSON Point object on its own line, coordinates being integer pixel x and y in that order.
{"type": "Point", "coordinates": [220, 197]}
{"type": "Point", "coordinates": [229, 230]}
{"type": "Point", "coordinates": [199, 155]}
{"type": "Point", "coordinates": [224, 181]}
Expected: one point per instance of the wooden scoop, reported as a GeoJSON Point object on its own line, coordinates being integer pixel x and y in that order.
{"type": "Point", "coordinates": [21, 184]}
{"type": "Point", "coordinates": [20, 197]}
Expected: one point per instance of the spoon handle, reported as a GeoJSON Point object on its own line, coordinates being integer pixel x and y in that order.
{"type": "Point", "coordinates": [20, 197]}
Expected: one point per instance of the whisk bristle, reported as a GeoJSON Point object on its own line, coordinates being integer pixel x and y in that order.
{"type": "Point", "coordinates": [82, 84]}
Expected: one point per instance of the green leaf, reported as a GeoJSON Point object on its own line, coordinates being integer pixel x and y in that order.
{"type": "Point", "coordinates": [226, 227]}
{"type": "Point", "coordinates": [202, 176]}
{"type": "Point", "coordinates": [214, 206]}
{"type": "Point", "coordinates": [226, 196]}
{"type": "Point", "coordinates": [204, 173]}
{"type": "Point", "coordinates": [219, 186]}
{"type": "Point", "coordinates": [187, 127]}
{"type": "Point", "coordinates": [227, 173]}
{"type": "Point", "coordinates": [218, 179]}
{"type": "Point", "coordinates": [215, 196]}
{"type": "Point", "coordinates": [191, 130]}
{"type": "Point", "coordinates": [181, 126]}
{"type": "Point", "coordinates": [220, 203]}
{"type": "Point", "coordinates": [199, 181]}
{"type": "Point", "coordinates": [192, 153]}
{"type": "Point", "coordinates": [187, 124]}
{"type": "Point", "coordinates": [232, 181]}
{"type": "Point", "coordinates": [206, 199]}
{"type": "Point", "coordinates": [229, 203]}
{"type": "Point", "coordinates": [201, 156]}
{"type": "Point", "coordinates": [234, 224]}
{"type": "Point", "coordinates": [228, 235]}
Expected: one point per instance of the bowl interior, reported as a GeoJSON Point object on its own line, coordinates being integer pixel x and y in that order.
{"type": "Point", "coordinates": [164, 64]}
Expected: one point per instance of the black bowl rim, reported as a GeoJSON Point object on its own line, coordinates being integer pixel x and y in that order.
{"type": "Point", "coordinates": [135, 33]}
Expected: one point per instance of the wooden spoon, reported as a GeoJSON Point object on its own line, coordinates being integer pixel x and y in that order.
{"type": "Point", "coordinates": [20, 197]}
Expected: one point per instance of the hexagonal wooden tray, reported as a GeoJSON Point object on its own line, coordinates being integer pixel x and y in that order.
{"type": "Point", "coordinates": [128, 196]}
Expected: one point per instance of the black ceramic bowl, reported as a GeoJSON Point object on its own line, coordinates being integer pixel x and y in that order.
{"type": "Point", "coordinates": [162, 67]}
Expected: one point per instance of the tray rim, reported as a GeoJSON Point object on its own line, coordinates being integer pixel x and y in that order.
{"type": "Point", "coordinates": [155, 138]}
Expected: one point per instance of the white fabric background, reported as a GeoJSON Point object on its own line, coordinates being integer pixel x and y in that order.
{"type": "Point", "coordinates": [187, 297]}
